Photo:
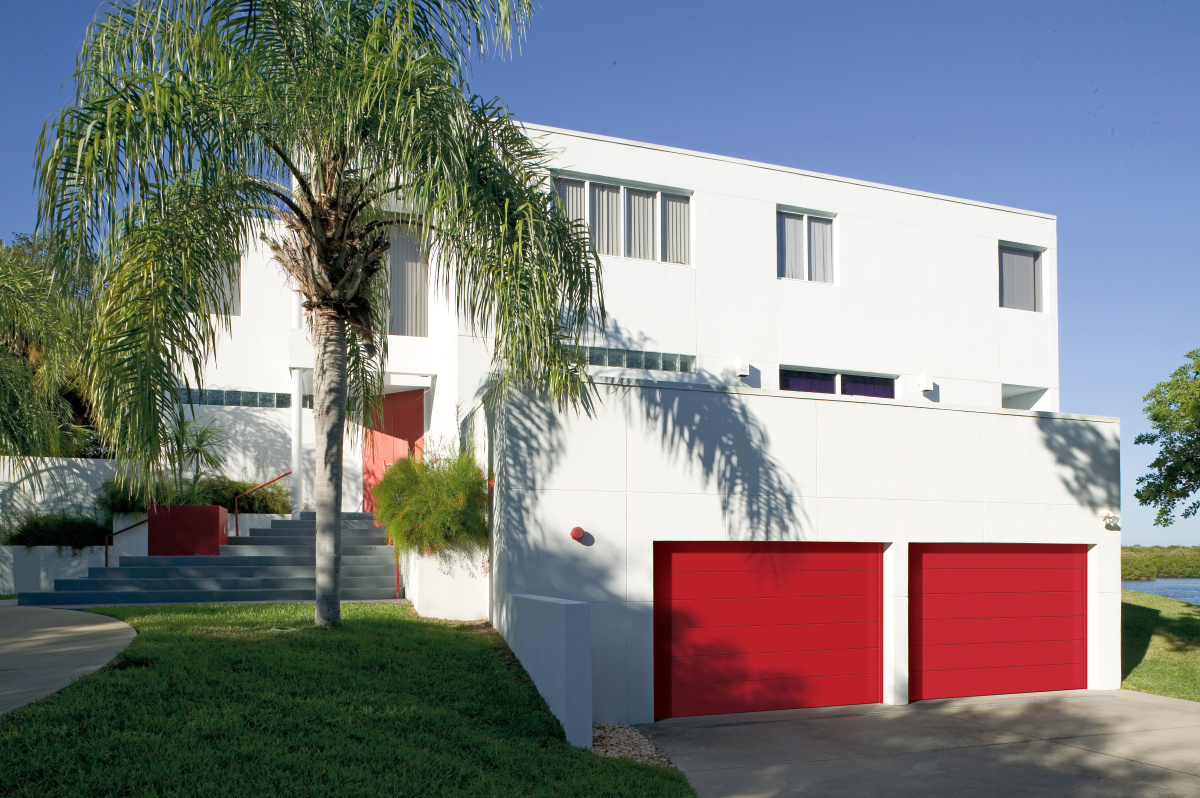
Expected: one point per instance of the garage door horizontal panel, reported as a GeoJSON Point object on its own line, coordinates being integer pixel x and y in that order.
{"type": "Point", "coordinates": [999, 580]}
{"type": "Point", "coordinates": [998, 630]}
{"type": "Point", "coordinates": [756, 639]}
{"type": "Point", "coordinates": [997, 605]}
{"type": "Point", "coordinates": [764, 612]}
{"type": "Point", "coordinates": [997, 655]}
{"type": "Point", "coordinates": [720, 668]}
{"type": "Point", "coordinates": [716, 560]}
{"type": "Point", "coordinates": [994, 681]}
{"type": "Point", "coordinates": [1000, 555]}
{"type": "Point", "coordinates": [747, 584]}
{"type": "Point", "coordinates": [823, 691]}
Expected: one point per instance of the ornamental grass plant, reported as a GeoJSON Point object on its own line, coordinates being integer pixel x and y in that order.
{"type": "Point", "coordinates": [434, 503]}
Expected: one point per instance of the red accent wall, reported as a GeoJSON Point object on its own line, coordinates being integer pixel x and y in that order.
{"type": "Point", "coordinates": [744, 627]}
{"type": "Point", "coordinates": [397, 433]}
{"type": "Point", "coordinates": [996, 618]}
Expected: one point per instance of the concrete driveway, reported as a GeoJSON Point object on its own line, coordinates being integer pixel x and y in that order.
{"type": "Point", "coordinates": [1075, 743]}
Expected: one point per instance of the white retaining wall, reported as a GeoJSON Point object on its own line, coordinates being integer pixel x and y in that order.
{"type": "Point", "coordinates": [50, 484]}
{"type": "Point", "coordinates": [552, 639]}
{"type": "Point", "coordinates": [35, 568]}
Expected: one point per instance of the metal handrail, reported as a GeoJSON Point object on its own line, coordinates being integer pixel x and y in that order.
{"type": "Point", "coordinates": [110, 538]}
{"type": "Point", "coordinates": [237, 532]}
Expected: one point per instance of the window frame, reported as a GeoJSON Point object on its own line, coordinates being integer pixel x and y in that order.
{"type": "Point", "coordinates": [659, 204]}
{"type": "Point", "coordinates": [805, 215]}
{"type": "Point", "coordinates": [838, 382]}
{"type": "Point", "coordinates": [1038, 290]}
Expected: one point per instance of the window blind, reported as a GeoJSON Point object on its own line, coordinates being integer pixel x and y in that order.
{"type": "Point", "coordinates": [791, 245]}
{"type": "Point", "coordinates": [571, 193]}
{"type": "Point", "coordinates": [639, 224]}
{"type": "Point", "coordinates": [606, 218]}
{"type": "Point", "coordinates": [1019, 279]}
{"type": "Point", "coordinates": [820, 249]}
{"type": "Point", "coordinates": [676, 228]}
{"type": "Point", "coordinates": [408, 285]}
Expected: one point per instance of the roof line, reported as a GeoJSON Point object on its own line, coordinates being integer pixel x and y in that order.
{"type": "Point", "coordinates": [786, 169]}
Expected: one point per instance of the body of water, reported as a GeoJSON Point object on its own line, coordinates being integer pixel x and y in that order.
{"type": "Point", "coordinates": [1182, 589]}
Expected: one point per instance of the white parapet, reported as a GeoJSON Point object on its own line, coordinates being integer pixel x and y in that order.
{"type": "Point", "coordinates": [552, 638]}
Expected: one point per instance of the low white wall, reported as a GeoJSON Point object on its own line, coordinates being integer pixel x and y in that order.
{"type": "Point", "coordinates": [34, 569]}
{"type": "Point", "coordinates": [552, 638]}
{"type": "Point", "coordinates": [455, 589]}
{"type": "Point", "coordinates": [35, 485]}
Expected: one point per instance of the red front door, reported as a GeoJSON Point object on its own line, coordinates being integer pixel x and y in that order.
{"type": "Point", "coordinates": [398, 432]}
{"type": "Point", "coordinates": [743, 627]}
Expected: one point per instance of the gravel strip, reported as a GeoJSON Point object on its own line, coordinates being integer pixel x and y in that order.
{"type": "Point", "coordinates": [624, 741]}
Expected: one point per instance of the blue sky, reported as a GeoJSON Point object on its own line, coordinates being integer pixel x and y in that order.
{"type": "Point", "coordinates": [1087, 110]}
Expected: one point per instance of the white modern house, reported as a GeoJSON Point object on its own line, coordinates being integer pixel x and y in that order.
{"type": "Point", "coordinates": [829, 464]}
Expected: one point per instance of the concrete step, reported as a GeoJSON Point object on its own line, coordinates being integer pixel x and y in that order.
{"type": "Point", "coordinates": [267, 550]}
{"type": "Point", "coordinates": [305, 540]}
{"type": "Point", "coordinates": [310, 515]}
{"type": "Point", "coordinates": [198, 561]}
{"type": "Point", "coordinates": [383, 571]}
{"type": "Point", "coordinates": [352, 523]}
{"type": "Point", "coordinates": [77, 597]}
{"type": "Point", "coordinates": [213, 583]}
{"type": "Point", "coordinates": [309, 532]}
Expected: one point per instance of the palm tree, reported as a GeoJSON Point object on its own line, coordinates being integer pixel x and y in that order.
{"type": "Point", "coordinates": [315, 125]}
{"type": "Point", "coordinates": [41, 325]}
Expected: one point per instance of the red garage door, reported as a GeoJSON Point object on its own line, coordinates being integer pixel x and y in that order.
{"type": "Point", "coordinates": [743, 627]}
{"type": "Point", "coordinates": [996, 618]}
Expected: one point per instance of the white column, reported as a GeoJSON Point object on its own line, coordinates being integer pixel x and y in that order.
{"type": "Point", "coordinates": [895, 623]}
{"type": "Point", "coordinates": [297, 441]}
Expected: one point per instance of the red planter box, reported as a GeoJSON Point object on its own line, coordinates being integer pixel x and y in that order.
{"type": "Point", "coordinates": [176, 529]}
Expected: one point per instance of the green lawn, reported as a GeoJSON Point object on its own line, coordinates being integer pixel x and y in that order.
{"type": "Point", "coordinates": [214, 700]}
{"type": "Point", "coordinates": [1160, 645]}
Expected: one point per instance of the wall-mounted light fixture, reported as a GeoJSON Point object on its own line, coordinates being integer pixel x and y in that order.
{"type": "Point", "coordinates": [577, 533]}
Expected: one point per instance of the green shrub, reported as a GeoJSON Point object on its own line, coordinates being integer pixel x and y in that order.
{"type": "Point", "coordinates": [434, 503]}
{"type": "Point", "coordinates": [274, 498]}
{"type": "Point", "coordinates": [119, 497]}
{"type": "Point", "coordinates": [59, 529]}
{"type": "Point", "coordinates": [1167, 562]}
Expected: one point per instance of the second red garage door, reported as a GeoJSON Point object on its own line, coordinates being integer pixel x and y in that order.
{"type": "Point", "coordinates": [996, 618]}
{"type": "Point", "coordinates": [744, 627]}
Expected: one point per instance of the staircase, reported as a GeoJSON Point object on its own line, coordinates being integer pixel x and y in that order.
{"type": "Point", "coordinates": [275, 564]}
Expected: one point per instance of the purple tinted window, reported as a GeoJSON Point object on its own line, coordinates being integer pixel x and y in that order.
{"type": "Point", "coordinates": [810, 381]}
{"type": "Point", "coordinates": [880, 387]}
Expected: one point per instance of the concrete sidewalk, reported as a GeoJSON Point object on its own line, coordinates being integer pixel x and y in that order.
{"type": "Point", "coordinates": [44, 650]}
{"type": "Point", "coordinates": [1076, 743]}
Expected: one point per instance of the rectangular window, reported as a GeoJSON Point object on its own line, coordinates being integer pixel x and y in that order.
{"type": "Point", "coordinates": [639, 224]}
{"type": "Point", "coordinates": [572, 194]}
{"type": "Point", "coordinates": [807, 381]}
{"type": "Point", "coordinates": [606, 218]}
{"type": "Point", "coordinates": [408, 285]}
{"type": "Point", "coordinates": [1020, 279]}
{"type": "Point", "coordinates": [858, 385]}
{"type": "Point", "coordinates": [676, 228]}
{"type": "Point", "coordinates": [805, 247]}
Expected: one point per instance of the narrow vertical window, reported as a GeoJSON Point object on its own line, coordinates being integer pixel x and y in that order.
{"type": "Point", "coordinates": [606, 218]}
{"type": "Point", "coordinates": [408, 285]}
{"type": "Point", "coordinates": [1020, 278]}
{"type": "Point", "coordinates": [571, 193]}
{"type": "Point", "coordinates": [639, 224]}
{"type": "Point", "coordinates": [676, 228]}
{"type": "Point", "coordinates": [820, 249]}
{"type": "Point", "coordinates": [791, 246]}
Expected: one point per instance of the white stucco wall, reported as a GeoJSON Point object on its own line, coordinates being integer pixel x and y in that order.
{"type": "Point", "coordinates": [915, 286]}
{"type": "Point", "coordinates": [663, 462]}
{"type": "Point", "coordinates": [454, 588]}
{"type": "Point", "coordinates": [35, 485]}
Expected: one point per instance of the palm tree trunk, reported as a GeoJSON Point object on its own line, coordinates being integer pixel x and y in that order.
{"type": "Point", "coordinates": [329, 418]}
